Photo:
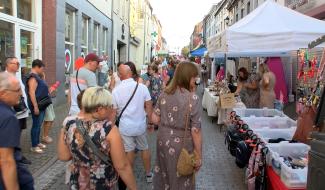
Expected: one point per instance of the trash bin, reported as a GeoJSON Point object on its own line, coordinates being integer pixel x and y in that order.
{"type": "Point", "coordinates": [316, 167]}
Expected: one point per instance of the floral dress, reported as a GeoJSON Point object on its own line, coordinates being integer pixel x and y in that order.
{"type": "Point", "coordinates": [155, 87]}
{"type": "Point", "coordinates": [88, 172]}
{"type": "Point", "coordinates": [172, 110]}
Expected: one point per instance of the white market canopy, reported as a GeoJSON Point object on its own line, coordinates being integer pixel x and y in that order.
{"type": "Point", "coordinates": [271, 28]}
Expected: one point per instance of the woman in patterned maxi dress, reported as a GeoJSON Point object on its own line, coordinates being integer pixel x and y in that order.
{"type": "Point", "coordinates": [173, 105]}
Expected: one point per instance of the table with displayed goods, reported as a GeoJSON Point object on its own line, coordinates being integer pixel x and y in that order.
{"type": "Point", "coordinates": [261, 142]}
{"type": "Point", "coordinates": [212, 103]}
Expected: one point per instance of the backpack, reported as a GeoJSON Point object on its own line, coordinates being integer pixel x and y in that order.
{"type": "Point", "coordinates": [233, 136]}
{"type": "Point", "coordinates": [244, 149]}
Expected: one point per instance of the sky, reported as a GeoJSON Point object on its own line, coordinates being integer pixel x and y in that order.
{"type": "Point", "coordinates": [178, 18]}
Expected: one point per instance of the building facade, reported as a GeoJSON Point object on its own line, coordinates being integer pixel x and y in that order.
{"type": "Point", "coordinates": [156, 37]}
{"type": "Point", "coordinates": [197, 36]}
{"type": "Point", "coordinates": [121, 31]}
{"type": "Point", "coordinates": [72, 29]}
{"type": "Point", "coordinates": [140, 32]}
{"type": "Point", "coordinates": [313, 8]}
{"type": "Point", "coordinates": [221, 17]}
{"type": "Point", "coordinates": [238, 9]}
{"type": "Point", "coordinates": [209, 26]}
{"type": "Point", "coordinates": [21, 31]}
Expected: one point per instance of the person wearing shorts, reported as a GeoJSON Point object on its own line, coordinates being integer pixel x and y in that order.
{"type": "Point", "coordinates": [133, 122]}
{"type": "Point", "coordinates": [132, 143]}
{"type": "Point", "coordinates": [47, 124]}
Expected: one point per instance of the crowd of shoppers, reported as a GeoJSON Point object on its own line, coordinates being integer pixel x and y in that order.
{"type": "Point", "coordinates": [20, 96]}
{"type": "Point", "coordinates": [117, 120]}
{"type": "Point", "coordinates": [106, 126]}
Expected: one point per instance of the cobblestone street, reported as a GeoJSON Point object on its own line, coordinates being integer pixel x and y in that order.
{"type": "Point", "coordinates": [218, 172]}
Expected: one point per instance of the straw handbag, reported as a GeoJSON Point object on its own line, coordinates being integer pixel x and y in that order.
{"type": "Point", "coordinates": [186, 161]}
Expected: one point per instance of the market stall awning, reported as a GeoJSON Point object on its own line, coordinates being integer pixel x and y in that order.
{"type": "Point", "coordinates": [199, 52]}
{"type": "Point", "coordinates": [269, 28]}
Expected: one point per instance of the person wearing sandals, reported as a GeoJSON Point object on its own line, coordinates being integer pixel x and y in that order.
{"type": "Point", "coordinates": [88, 140]}
{"type": "Point", "coordinates": [49, 117]}
{"type": "Point", "coordinates": [131, 103]}
{"type": "Point", "coordinates": [175, 106]}
{"type": "Point", "coordinates": [37, 90]}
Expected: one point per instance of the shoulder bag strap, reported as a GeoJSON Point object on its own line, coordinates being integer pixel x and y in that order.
{"type": "Point", "coordinates": [90, 143]}
{"type": "Point", "coordinates": [188, 118]}
{"type": "Point", "coordinates": [119, 117]}
{"type": "Point", "coordinates": [77, 80]}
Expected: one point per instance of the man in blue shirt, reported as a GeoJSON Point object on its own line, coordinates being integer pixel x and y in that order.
{"type": "Point", "coordinates": [14, 175]}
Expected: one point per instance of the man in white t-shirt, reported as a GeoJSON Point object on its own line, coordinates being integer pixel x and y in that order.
{"type": "Point", "coordinates": [85, 77]}
{"type": "Point", "coordinates": [133, 122]}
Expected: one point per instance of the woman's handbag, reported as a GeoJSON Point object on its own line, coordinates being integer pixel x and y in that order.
{"type": "Point", "coordinates": [44, 103]}
{"type": "Point", "coordinates": [21, 107]}
{"type": "Point", "coordinates": [186, 161]}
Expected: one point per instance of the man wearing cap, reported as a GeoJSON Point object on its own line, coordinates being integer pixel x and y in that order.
{"type": "Point", "coordinates": [81, 79]}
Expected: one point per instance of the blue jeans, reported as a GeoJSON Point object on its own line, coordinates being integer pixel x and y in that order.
{"type": "Point", "coordinates": [36, 127]}
{"type": "Point", "coordinates": [102, 77]}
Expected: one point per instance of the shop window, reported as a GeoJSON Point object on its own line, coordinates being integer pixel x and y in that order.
{"type": "Point", "coordinates": [6, 7]}
{"type": "Point", "coordinates": [104, 41]}
{"type": "Point", "coordinates": [26, 48]}
{"type": "Point", "coordinates": [25, 9]}
{"type": "Point", "coordinates": [248, 7]}
{"type": "Point", "coordinates": [69, 25]}
{"type": "Point", "coordinates": [7, 41]}
{"type": "Point", "coordinates": [242, 13]}
{"type": "Point", "coordinates": [95, 38]}
{"type": "Point", "coordinates": [69, 40]}
{"type": "Point", "coordinates": [85, 34]}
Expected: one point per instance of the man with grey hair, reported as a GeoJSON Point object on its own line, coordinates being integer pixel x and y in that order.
{"type": "Point", "coordinates": [133, 122]}
{"type": "Point", "coordinates": [14, 174]}
{"type": "Point", "coordinates": [13, 66]}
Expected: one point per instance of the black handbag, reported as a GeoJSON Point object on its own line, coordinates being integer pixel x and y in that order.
{"type": "Point", "coordinates": [44, 103]}
{"type": "Point", "coordinates": [21, 107]}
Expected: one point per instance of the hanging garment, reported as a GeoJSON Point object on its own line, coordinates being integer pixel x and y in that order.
{"type": "Point", "coordinates": [305, 124]}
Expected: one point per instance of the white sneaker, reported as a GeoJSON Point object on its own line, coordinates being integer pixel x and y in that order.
{"type": "Point", "coordinates": [149, 177]}
{"type": "Point", "coordinates": [37, 150]}
{"type": "Point", "coordinates": [42, 146]}
{"type": "Point", "coordinates": [47, 140]}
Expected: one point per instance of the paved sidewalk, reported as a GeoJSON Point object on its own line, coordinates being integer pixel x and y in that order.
{"type": "Point", "coordinates": [40, 162]}
{"type": "Point", "coordinates": [219, 171]}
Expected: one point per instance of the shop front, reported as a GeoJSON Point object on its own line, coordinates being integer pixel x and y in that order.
{"type": "Point", "coordinates": [20, 31]}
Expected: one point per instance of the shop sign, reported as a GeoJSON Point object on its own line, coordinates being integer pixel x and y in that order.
{"type": "Point", "coordinates": [294, 4]}
{"type": "Point", "coordinates": [23, 43]}
{"type": "Point", "coordinates": [68, 59]}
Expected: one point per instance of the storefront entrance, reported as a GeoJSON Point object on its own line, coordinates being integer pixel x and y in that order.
{"type": "Point", "coordinates": [20, 31]}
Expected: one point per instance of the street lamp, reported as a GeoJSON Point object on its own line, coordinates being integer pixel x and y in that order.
{"type": "Point", "coordinates": [226, 20]}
